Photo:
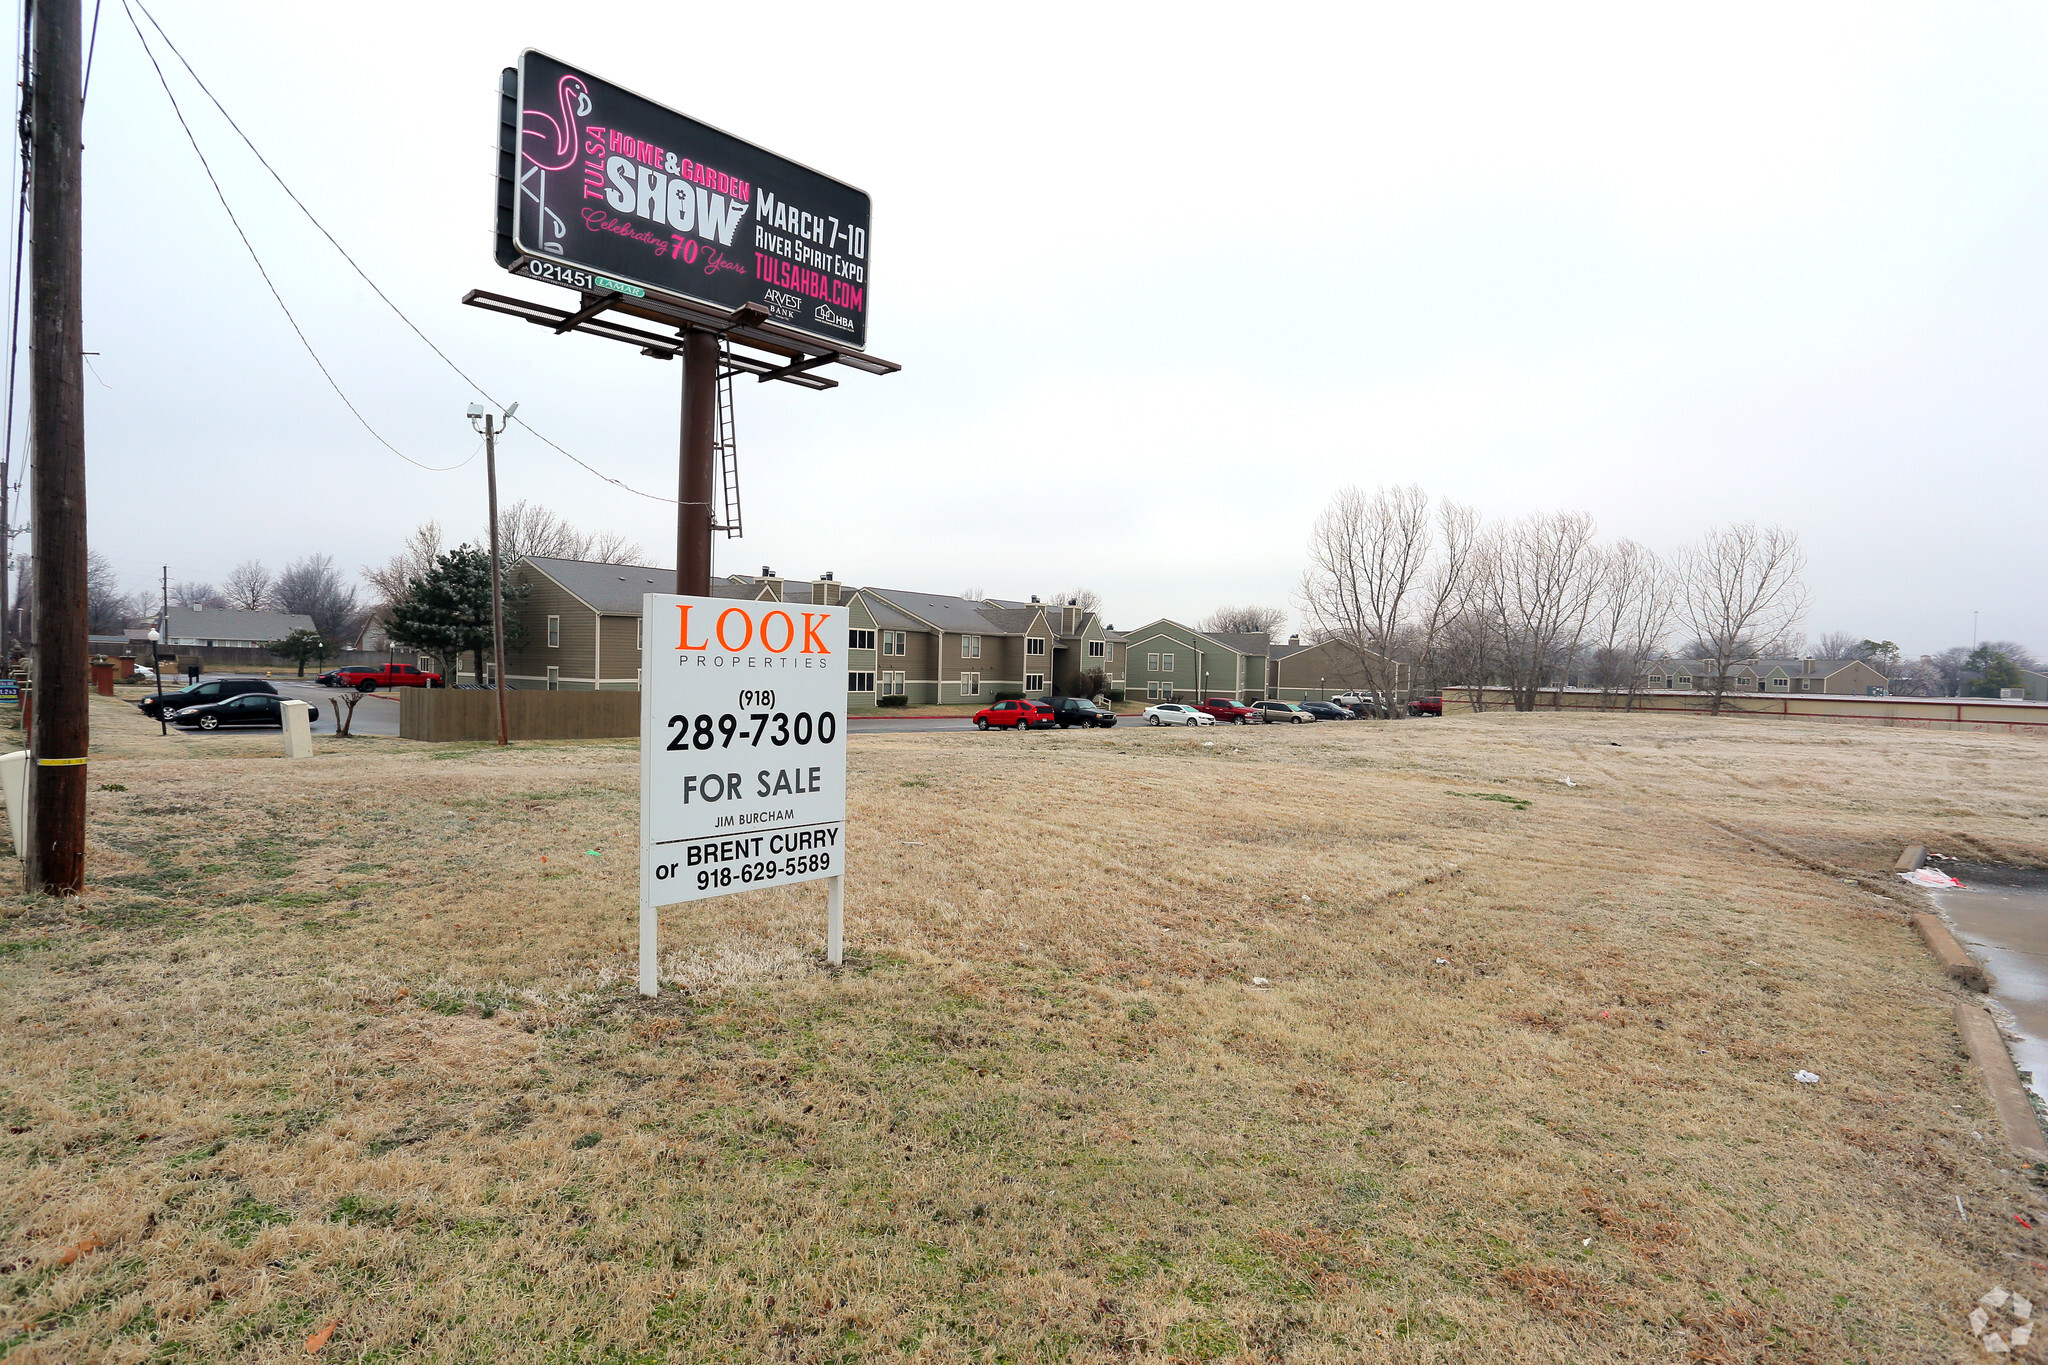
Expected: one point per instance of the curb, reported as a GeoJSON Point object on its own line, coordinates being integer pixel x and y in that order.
{"type": "Point", "coordinates": [1954, 958]}
{"type": "Point", "coordinates": [2002, 1078]}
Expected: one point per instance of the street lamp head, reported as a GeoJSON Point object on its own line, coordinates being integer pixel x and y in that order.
{"type": "Point", "coordinates": [509, 411]}
{"type": "Point", "coordinates": [155, 636]}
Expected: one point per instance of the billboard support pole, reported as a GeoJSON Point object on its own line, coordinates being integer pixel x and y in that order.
{"type": "Point", "coordinates": [693, 509]}
{"type": "Point", "coordinates": [835, 919]}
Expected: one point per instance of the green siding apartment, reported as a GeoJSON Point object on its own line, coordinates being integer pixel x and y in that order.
{"type": "Point", "coordinates": [1170, 661]}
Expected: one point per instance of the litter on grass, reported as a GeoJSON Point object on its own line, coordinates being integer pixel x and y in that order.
{"type": "Point", "coordinates": [1994, 1344]}
{"type": "Point", "coordinates": [1995, 1298]}
{"type": "Point", "coordinates": [1929, 876]}
{"type": "Point", "coordinates": [1979, 1320]}
{"type": "Point", "coordinates": [1567, 782]}
{"type": "Point", "coordinates": [2020, 1307]}
{"type": "Point", "coordinates": [1806, 1076]}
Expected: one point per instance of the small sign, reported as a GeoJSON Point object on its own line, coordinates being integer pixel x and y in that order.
{"type": "Point", "coordinates": [10, 689]}
{"type": "Point", "coordinates": [742, 752]}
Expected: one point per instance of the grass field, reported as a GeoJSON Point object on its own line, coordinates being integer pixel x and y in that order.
{"type": "Point", "coordinates": [1349, 1042]}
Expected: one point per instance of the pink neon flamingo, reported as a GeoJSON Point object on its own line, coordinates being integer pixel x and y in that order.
{"type": "Point", "coordinates": [558, 139]}
{"type": "Point", "coordinates": [557, 151]}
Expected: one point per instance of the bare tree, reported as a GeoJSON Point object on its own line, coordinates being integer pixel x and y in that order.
{"type": "Point", "coordinates": [1545, 571]}
{"type": "Point", "coordinates": [1740, 594]}
{"type": "Point", "coordinates": [248, 586]}
{"type": "Point", "coordinates": [2015, 651]}
{"type": "Point", "coordinates": [1838, 644]}
{"type": "Point", "coordinates": [313, 587]}
{"type": "Point", "coordinates": [1447, 588]}
{"type": "Point", "coordinates": [1265, 621]}
{"type": "Point", "coordinates": [391, 582]}
{"type": "Point", "coordinates": [1367, 555]}
{"type": "Point", "coordinates": [1087, 599]}
{"type": "Point", "coordinates": [189, 594]}
{"type": "Point", "coordinates": [612, 547]}
{"type": "Point", "coordinates": [107, 608]}
{"type": "Point", "coordinates": [527, 529]}
{"type": "Point", "coordinates": [1631, 616]}
{"type": "Point", "coordinates": [973, 595]}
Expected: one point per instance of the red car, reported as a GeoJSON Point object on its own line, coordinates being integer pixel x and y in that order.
{"type": "Point", "coordinates": [1225, 711]}
{"type": "Point", "coordinates": [1426, 706]}
{"type": "Point", "coordinates": [1014, 715]}
{"type": "Point", "coordinates": [390, 675]}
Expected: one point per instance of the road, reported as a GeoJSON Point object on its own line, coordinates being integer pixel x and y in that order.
{"type": "Point", "coordinates": [377, 714]}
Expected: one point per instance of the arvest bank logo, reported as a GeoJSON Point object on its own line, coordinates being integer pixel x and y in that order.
{"type": "Point", "coordinates": [738, 629]}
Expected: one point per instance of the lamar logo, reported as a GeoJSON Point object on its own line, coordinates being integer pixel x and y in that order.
{"type": "Point", "coordinates": [781, 304]}
{"type": "Point", "coordinates": [736, 629]}
{"type": "Point", "coordinates": [824, 314]}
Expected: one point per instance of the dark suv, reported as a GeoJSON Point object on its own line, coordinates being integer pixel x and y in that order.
{"type": "Point", "coordinates": [1079, 711]}
{"type": "Point", "coordinates": [202, 694]}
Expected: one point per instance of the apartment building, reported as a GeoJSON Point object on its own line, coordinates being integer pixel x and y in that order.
{"type": "Point", "coordinates": [1836, 677]}
{"type": "Point", "coordinates": [1171, 661]}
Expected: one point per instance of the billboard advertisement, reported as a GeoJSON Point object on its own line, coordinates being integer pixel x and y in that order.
{"type": "Point", "coordinates": [615, 190]}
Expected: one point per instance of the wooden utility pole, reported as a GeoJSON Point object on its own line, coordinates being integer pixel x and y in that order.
{"type": "Point", "coordinates": [497, 590]}
{"type": "Point", "coordinates": [700, 426]}
{"type": "Point", "coordinates": [56, 840]}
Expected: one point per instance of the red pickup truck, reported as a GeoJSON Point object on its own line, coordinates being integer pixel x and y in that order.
{"type": "Point", "coordinates": [1226, 711]}
{"type": "Point", "coordinates": [390, 675]}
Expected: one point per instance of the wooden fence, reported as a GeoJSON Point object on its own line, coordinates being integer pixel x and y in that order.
{"type": "Point", "coordinates": [441, 715]}
{"type": "Point", "coordinates": [1926, 713]}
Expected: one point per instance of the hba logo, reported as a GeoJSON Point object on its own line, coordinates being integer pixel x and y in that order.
{"type": "Point", "coordinates": [737, 629]}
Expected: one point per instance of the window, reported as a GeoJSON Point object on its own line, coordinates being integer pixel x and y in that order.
{"type": "Point", "coordinates": [970, 646]}
{"type": "Point", "coordinates": [892, 684]}
{"type": "Point", "coordinates": [970, 684]}
{"type": "Point", "coordinates": [639, 632]}
{"type": "Point", "coordinates": [1166, 663]}
{"type": "Point", "coordinates": [895, 642]}
{"type": "Point", "coordinates": [1034, 682]}
{"type": "Point", "coordinates": [1034, 645]}
{"type": "Point", "coordinates": [1098, 648]}
{"type": "Point", "coordinates": [554, 632]}
{"type": "Point", "coordinates": [1151, 663]}
{"type": "Point", "coordinates": [554, 679]}
{"type": "Point", "coordinates": [860, 682]}
{"type": "Point", "coordinates": [1151, 691]}
{"type": "Point", "coordinates": [860, 639]}
{"type": "Point", "coordinates": [1778, 684]}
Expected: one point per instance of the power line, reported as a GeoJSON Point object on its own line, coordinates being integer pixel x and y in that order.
{"type": "Point", "coordinates": [220, 194]}
{"type": "Point", "coordinates": [364, 275]}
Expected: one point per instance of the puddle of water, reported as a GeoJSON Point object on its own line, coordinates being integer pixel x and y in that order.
{"type": "Point", "coordinates": [2001, 916]}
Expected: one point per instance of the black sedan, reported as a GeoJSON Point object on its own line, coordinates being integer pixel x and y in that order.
{"type": "Point", "coordinates": [255, 708]}
{"type": "Point", "coordinates": [1327, 710]}
{"type": "Point", "coordinates": [202, 694]}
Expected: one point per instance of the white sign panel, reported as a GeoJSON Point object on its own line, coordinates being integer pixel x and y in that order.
{"type": "Point", "coordinates": [742, 751]}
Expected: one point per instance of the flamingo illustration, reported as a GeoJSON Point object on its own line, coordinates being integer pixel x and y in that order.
{"type": "Point", "coordinates": [556, 150]}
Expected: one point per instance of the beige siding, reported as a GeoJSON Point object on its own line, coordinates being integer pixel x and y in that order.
{"type": "Point", "coordinates": [527, 663]}
{"type": "Point", "coordinates": [619, 659]}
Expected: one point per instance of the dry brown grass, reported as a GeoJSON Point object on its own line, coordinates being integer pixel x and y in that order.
{"type": "Point", "coordinates": [353, 1042]}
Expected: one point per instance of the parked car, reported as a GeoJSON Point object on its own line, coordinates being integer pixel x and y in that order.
{"type": "Point", "coordinates": [1014, 715]}
{"type": "Point", "coordinates": [1224, 711]}
{"type": "Point", "coordinates": [1079, 711]}
{"type": "Point", "coordinates": [365, 679]}
{"type": "Point", "coordinates": [331, 678]}
{"type": "Point", "coordinates": [1425, 706]}
{"type": "Point", "coordinates": [1277, 712]}
{"type": "Point", "coordinates": [202, 694]}
{"type": "Point", "coordinates": [1327, 710]}
{"type": "Point", "coordinates": [251, 708]}
{"type": "Point", "coordinates": [144, 673]}
{"type": "Point", "coordinates": [1176, 713]}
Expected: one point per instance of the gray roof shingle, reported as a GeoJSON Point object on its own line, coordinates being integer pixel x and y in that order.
{"type": "Point", "coordinates": [215, 623]}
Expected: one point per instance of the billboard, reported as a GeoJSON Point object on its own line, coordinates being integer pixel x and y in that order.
{"type": "Point", "coordinates": [613, 191]}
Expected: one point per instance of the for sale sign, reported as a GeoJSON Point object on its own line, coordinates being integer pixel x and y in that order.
{"type": "Point", "coordinates": [742, 750]}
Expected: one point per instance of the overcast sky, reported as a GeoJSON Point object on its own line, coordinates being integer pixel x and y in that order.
{"type": "Point", "coordinates": [1161, 281]}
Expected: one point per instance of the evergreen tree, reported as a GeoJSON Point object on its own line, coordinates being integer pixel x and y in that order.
{"type": "Point", "coordinates": [447, 610]}
{"type": "Point", "coordinates": [299, 646]}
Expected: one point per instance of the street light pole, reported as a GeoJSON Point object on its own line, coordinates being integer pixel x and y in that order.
{"type": "Point", "coordinates": [491, 428]}
{"type": "Point", "coordinates": [156, 669]}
